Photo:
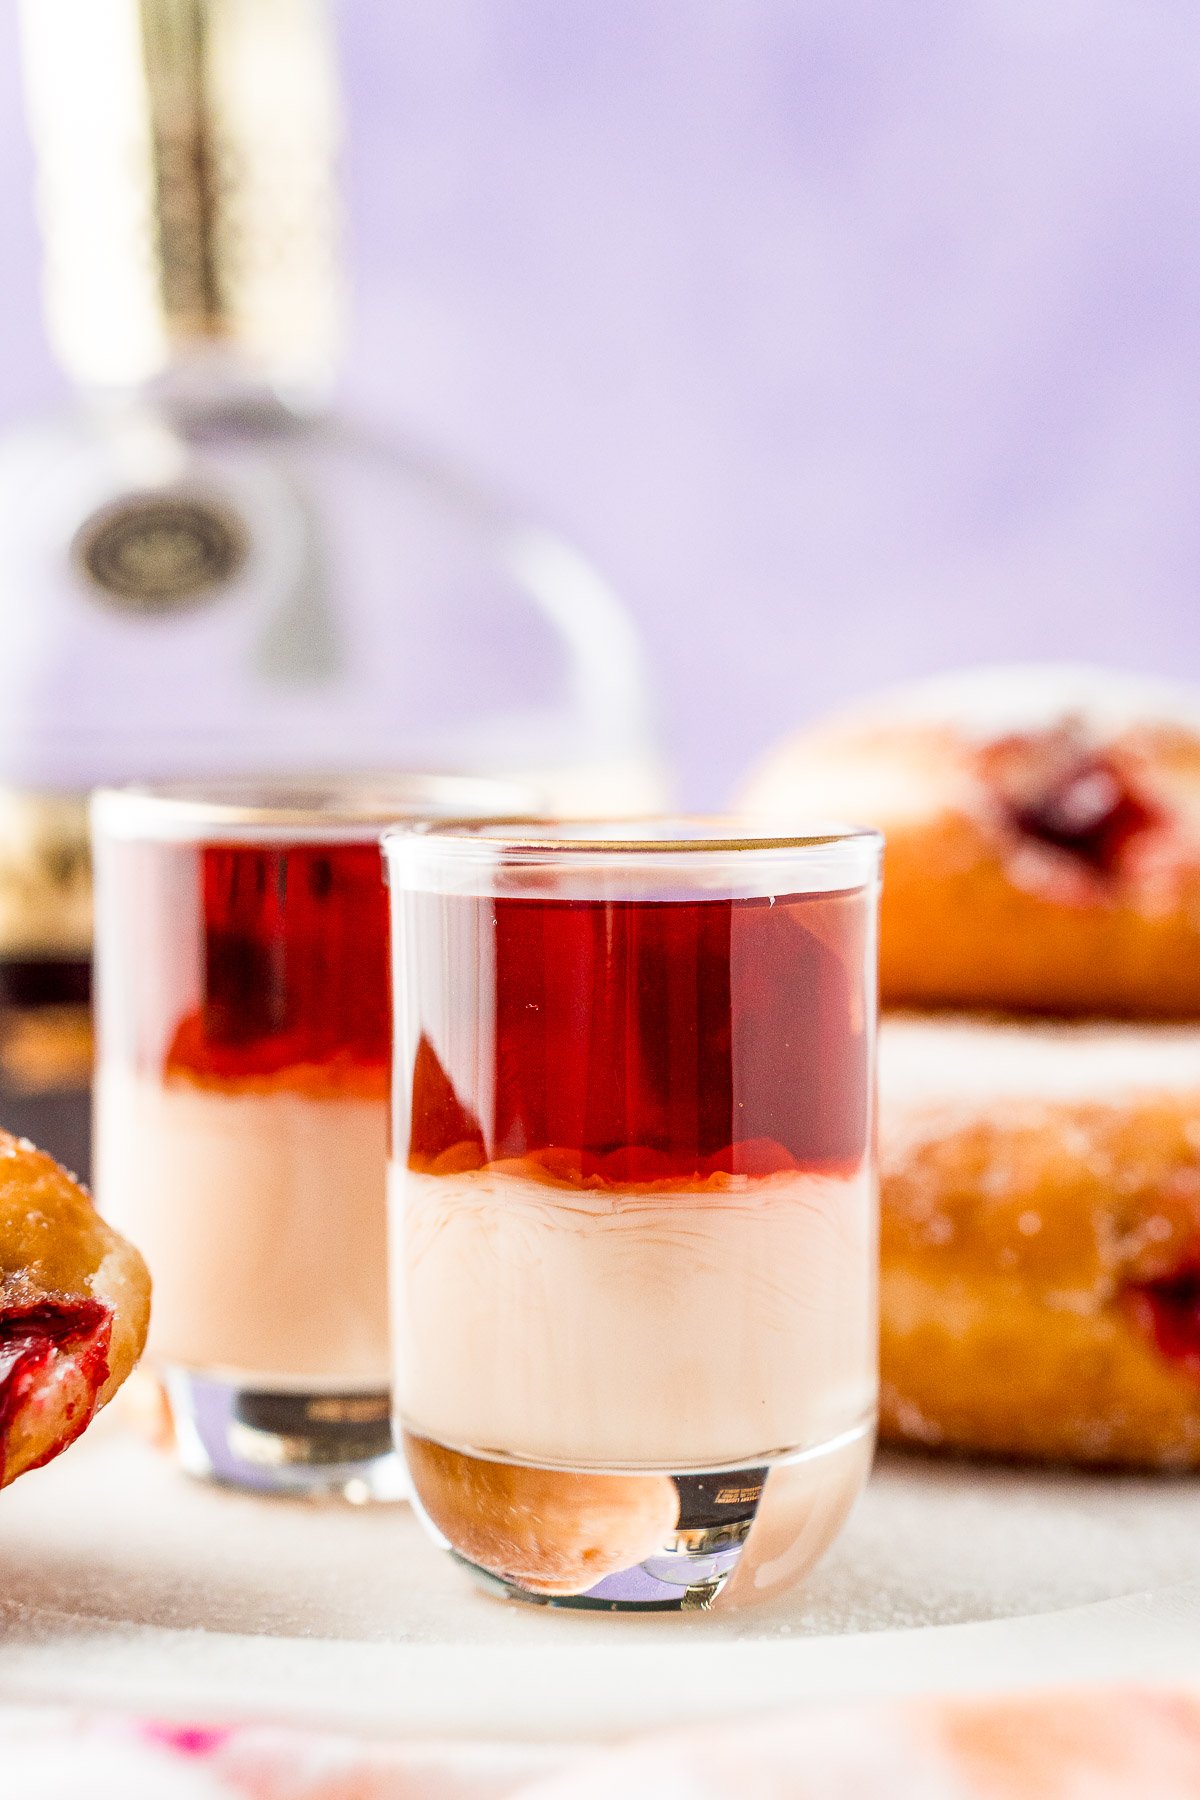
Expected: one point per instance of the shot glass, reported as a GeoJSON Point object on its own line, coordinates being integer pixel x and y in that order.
{"type": "Point", "coordinates": [243, 1027]}
{"type": "Point", "coordinates": [633, 1202]}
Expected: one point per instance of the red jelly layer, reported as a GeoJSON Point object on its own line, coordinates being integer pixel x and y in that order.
{"type": "Point", "coordinates": [1168, 1312]}
{"type": "Point", "coordinates": [294, 962]}
{"type": "Point", "coordinates": [32, 1340]}
{"type": "Point", "coordinates": [654, 1041]}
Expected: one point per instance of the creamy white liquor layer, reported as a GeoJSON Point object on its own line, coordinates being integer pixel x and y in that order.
{"type": "Point", "coordinates": [262, 1218]}
{"type": "Point", "coordinates": [658, 1326]}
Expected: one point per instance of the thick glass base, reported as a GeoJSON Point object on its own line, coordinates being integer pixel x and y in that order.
{"type": "Point", "coordinates": [309, 1444]}
{"type": "Point", "coordinates": [644, 1541]}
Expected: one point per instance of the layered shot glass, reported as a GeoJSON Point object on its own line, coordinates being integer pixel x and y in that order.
{"type": "Point", "coordinates": [633, 1201]}
{"type": "Point", "coordinates": [241, 1109]}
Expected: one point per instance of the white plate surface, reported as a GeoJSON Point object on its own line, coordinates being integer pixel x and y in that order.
{"type": "Point", "coordinates": [123, 1582]}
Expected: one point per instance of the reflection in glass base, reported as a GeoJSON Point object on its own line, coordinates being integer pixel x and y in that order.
{"type": "Point", "coordinates": [622, 1541]}
{"type": "Point", "coordinates": [312, 1445]}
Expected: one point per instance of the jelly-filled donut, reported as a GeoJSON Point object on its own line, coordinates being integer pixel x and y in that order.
{"type": "Point", "coordinates": [74, 1306]}
{"type": "Point", "coordinates": [1041, 1238]}
{"type": "Point", "coordinates": [1043, 836]}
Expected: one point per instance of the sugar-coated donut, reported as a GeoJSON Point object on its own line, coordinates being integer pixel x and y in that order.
{"type": "Point", "coordinates": [1043, 836]}
{"type": "Point", "coordinates": [1040, 1284]}
{"type": "Point", "coordinates": [74, 1307]}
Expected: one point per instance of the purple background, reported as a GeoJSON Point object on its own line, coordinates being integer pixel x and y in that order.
{"type": "Point", "coordinates": [856, 339]}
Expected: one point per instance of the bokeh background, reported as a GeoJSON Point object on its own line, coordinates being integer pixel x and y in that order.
{"type": "Point", "coordinates": [855, 339]}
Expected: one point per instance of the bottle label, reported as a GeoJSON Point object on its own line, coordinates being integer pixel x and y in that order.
{"type": "Point", "coordinates": [152, 553]}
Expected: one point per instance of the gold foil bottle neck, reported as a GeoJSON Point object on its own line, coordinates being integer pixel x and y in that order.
{"type": "Point", "coordinates": [45, 875]}
{"type": "Point", "coordinates": [186, 185]}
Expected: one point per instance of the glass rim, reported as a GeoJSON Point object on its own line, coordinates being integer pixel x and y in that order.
{"type": "Point", "coordinates": [304, 808]}
{"type": "Point", "coordinates": [528, 838]}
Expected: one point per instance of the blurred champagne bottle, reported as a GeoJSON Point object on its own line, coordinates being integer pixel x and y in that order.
{"type": "Point", "coordinates": [204, 567]}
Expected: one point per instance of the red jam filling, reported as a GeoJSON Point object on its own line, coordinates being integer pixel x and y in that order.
{"type": "Point", "coordinates": [1085, 808]}
{"type": "Point", "coordinates": [33, 1341]}
{"type": "Point", "coordinates": [1058, 791]}
{"type": "Point", "coordinates": [1168, 1312]}
{"type": "Point", "coordinates": [643, 1041]}
{"type": "Point", "coordinates": [294, 961]}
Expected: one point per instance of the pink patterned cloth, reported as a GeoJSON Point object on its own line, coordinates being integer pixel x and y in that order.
{"type": "Point", "coordinates": [1125, 1744]}
{"type": "Point", "coordinates": [1101, 1745]}
{"type": "Point", "coordinates": [60, 1755]}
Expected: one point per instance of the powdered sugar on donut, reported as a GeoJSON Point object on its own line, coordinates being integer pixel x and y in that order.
{"type": "Point", "coordinates": [912, 750]}
{"type": "Point", "coordinates": [1006, 700]}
